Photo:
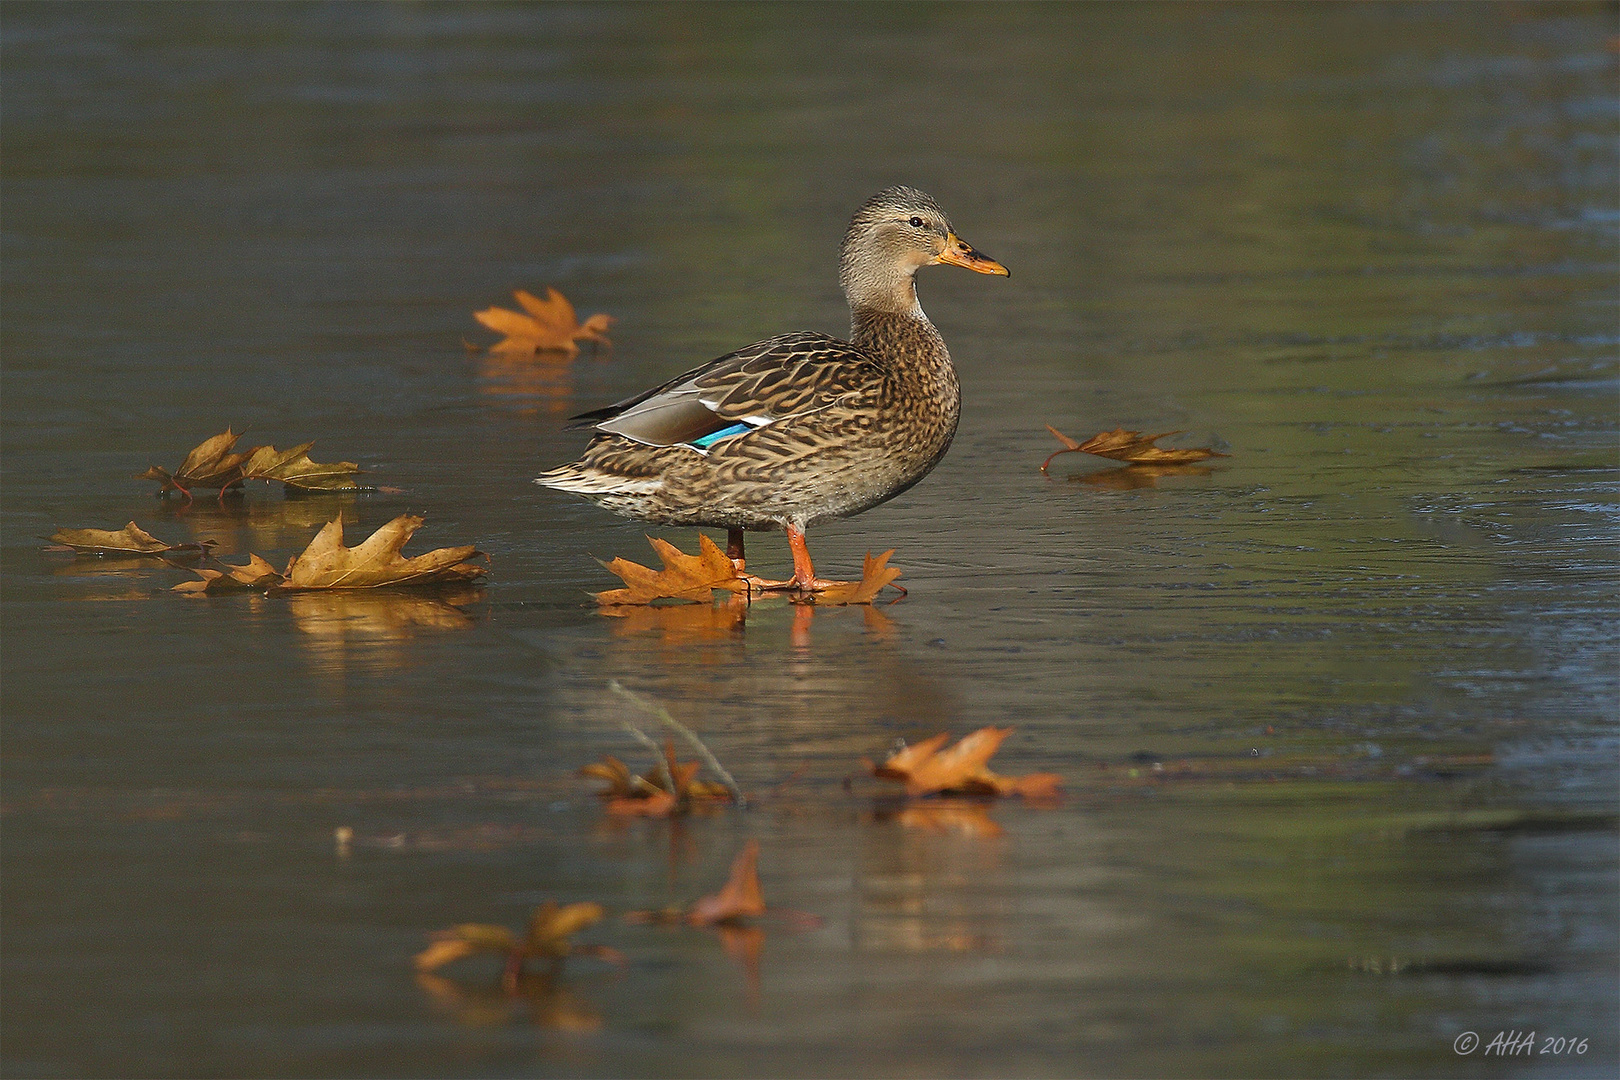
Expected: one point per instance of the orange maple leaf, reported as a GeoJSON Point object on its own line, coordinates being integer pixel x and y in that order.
{"type": "Point", "coordinates": [543, 325]}
{"type": "Point", "coordinates": [963, 769]}
{"type": "Point", "coordinates": [684, 577]}
{"type": "Point", "coordinates": [1131, 446]}
{"type": "Point", "coordinates": [739, 898]}
{"type": "Point", "coordinates": [876, 574]}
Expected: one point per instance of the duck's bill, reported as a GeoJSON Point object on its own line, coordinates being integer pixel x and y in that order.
{"type": "Point", "coordinates": [959, 252]}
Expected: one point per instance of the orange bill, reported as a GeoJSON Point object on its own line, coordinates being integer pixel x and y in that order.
{"type": "Point", "coordinates": [959, 252]}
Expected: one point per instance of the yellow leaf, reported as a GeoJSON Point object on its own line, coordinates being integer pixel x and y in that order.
{"type": "Point", "coordinates": [328, 564]}
{"type": "Point", "coordinates": [295, 469]}
{"type": "Point", "coordinates": [257, 574]}
{"type": "Point", "coordinates": [442, 952]}
{"type": "Point", "coordinates": [550, 927]}
{"type": "Point", "coordinates": [131, 539]}
{"type": "Point", "coordinates": [211, 464]}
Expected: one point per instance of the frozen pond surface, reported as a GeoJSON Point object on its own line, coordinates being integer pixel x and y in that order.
{"type": "Point", "coordinates": [1335, 713]}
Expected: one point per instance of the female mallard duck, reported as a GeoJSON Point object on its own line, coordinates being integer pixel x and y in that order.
{"type": "Point", "coordinates": [800, 428]}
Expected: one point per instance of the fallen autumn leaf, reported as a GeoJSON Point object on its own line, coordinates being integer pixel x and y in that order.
{"type": "Point", "coordinates": [328, 564]}
{"type": "Point", "coordinates": [963, 769]}
{"type": "Point", "coordinates": [543, 325]}
{"type": "Point", "coordinates": [1131, 446]}
{"type": "Point", "coordinates": [130, 540]}
{"type": "Point", "coordinates": [684, 577]}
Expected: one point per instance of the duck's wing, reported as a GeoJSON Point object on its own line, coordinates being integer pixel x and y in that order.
{"type": "Point", "coordinates": [766, 383]}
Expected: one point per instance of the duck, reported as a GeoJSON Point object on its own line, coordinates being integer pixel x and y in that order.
{"type": "Point", "coordinates": [801, 428]}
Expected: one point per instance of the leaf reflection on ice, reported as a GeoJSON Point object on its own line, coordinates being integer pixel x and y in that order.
{"type": "Point", "coordinates": [549, 1005]}
{"type": "Point", "coordinates": [333, 622]}
{"type": "Point", "coordinates": [1132, 477]}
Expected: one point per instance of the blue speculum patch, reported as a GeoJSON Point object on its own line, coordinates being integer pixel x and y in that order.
{"type": "Point", "coordinates": [724, 433]}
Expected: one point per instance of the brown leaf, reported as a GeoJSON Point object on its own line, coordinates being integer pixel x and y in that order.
{"type": "Point", "coordinates": [328, 564]}
{"type": "Point", "coordinates": [257, 574]}
{"type": "Point", "coordinates": [739, 898]}
{"type": "Point", "coordinates": [295, 469]}
{"type": "Point", "coordinates": [963, 769]}
{"type": "Point", "coordinates": [549, 324]}
{"type": "Point", "coordinates": [684, 577]}
{"type": "Point", "coordinates": [1132, 446]}
{"type": "Point", "coordinates": [212, 464]}
{"type": "Point", "coordinates": [131, 539]}
{"type": "Point", "coordinates": [876, 574]}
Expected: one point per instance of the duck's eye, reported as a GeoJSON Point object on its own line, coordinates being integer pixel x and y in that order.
{"type": "Point", "coordinates": [916, 223]}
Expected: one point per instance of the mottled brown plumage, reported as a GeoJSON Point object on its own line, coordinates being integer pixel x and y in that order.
{"type": "Point", "coordinates": [803, 427]}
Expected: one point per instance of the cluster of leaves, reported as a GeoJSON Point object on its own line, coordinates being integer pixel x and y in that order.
{"type": "Point", "coordinates": [328, 564]}
{"type": "Point", "coordinates": [216, 463]}
{"type": "Point", "coordinates": [548, 325]}
{"type": "Point", "coordinates": [551, 927]}
{"type": "Point", "coordinates": [927, 768]}
{"type": "Point", "coordinates": [695, 578]}
{"type": "Point", "coordinates": [1129, 446]}
{"type": "Point", "coordinates": [669, 787]}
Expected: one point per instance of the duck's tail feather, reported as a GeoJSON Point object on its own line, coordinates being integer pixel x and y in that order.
{"type": "Point", "coordinates": [581, 479]}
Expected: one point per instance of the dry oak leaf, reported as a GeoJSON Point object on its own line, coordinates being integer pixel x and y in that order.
{"type": "Point", "coordinates": [927, 769]}
{"type": "Point", "coordinates": [257, 574]}
{"type": "Point", "coordinates": [876, 574]}
{"type": "Point", "coordinates": [212, 464]}
{"type": "Point", "coordinates": [549, 324]}
{"type": "Point", "coordinates": [130, 540]}
{"type": "Point", "coordinates": [295, 469]}
{"type": "Point", "coordinates": [684, 577]}
{"type": "Point", "coordinates": [550, 927]}
{"type": "Point", "coordinates": [327, 564]}
{"type": "Point", "coordinates": [1131, 446]}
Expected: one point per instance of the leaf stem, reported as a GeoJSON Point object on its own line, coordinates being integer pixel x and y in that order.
{"type": "Point", "coordinates": [653, 707]}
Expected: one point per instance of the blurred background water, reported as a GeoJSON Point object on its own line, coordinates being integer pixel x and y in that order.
{"type": "Point", "coordinates": [1335, 714]}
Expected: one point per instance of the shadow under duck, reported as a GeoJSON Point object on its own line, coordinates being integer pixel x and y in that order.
{"type": "Point", "coordinates": [800, 428]}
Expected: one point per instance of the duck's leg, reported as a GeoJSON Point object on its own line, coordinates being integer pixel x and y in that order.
{"type": "Point", "coordinates": [804, 578]}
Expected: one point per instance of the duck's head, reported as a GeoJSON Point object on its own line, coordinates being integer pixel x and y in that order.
{"type": "Point", "coordinates": [898, 230]}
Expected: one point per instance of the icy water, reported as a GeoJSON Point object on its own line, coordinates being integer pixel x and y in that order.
{"type": "Point", "coordinates": [1335, 713]}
